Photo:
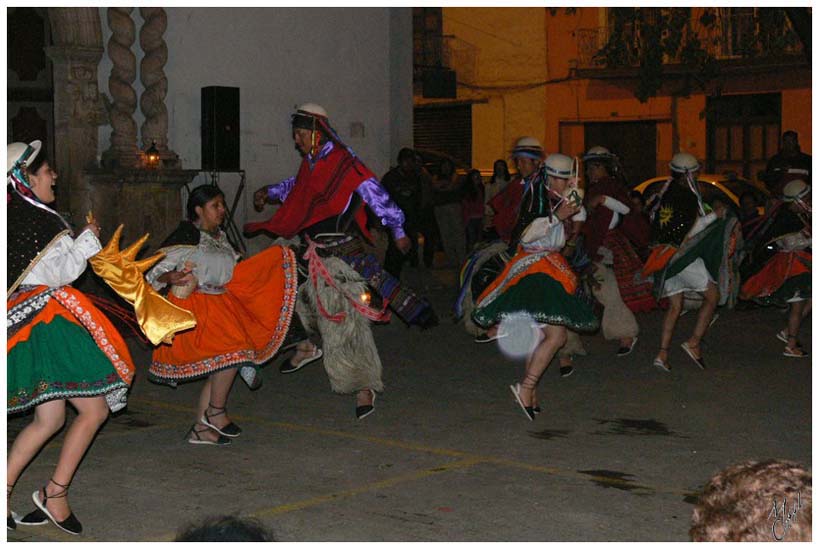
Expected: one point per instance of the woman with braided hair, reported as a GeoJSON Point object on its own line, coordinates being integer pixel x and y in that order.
{"type": "Point", "coordinates": [60, 347]}
{"type": "Point", "coordinates": [243, 311]}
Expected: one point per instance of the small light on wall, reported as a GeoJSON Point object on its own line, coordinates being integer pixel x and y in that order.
{"type": "Point", "coordinates": [365, 298]}
{"type": "Point", "coordinates": [152, 156]}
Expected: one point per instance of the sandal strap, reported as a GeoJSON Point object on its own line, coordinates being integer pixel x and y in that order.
{"type": "Point", "coordinates": [60, 494]}
{"type": "Point", "coordinates": [220, 411]}
{"type": "Point", "coordinates": [530, 381]}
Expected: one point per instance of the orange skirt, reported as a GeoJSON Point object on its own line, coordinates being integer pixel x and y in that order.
{"type": "Point", "coordinates": [780, 268]}
{"type": "Point", "coordinates": [245, 325]}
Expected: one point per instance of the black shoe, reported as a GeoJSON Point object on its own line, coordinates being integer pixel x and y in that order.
{"type": "Point", "coordinates": [11, 525]}
{"type": "Point", "coordinates": [626, 350]}
{"type": "Point", "coordinates": [288, 367]}
{"type": "Point", "coordinates": [70, 525]}
{"type": "Point", "coordinates": [229, 430]}
{"type": "Point", "coordinates": [566, 371]}
{"type": "Point", "coordinates": [364, 410]}
{"type": "Point", "coordinates": [536, 409]}
{"type": "Point", "coordinates": [35, 517]}
{"type": "Point", "coordinates": [485, 338]}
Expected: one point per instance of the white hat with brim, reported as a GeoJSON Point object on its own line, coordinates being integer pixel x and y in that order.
{"type": "Point", "coordinates": [558, 166]}
{"type": "Point", "coordinates": [312, 109]}
{"type": "Point", "coordinates": [528, 147]}
{"type": "Point", "coordinates": [684, 162]}
{"type": "Point", "coordinates": [795, 190]}
{"type": "Point", "coordinates": [598, 153]}
{"type": "Point", "coordinates": [22, 153]}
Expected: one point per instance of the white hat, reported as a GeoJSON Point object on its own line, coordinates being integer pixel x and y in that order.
{"type": "Point", "coordinates": [528, 147]}
{"type": "Point", "coordinates": [559, 166]}
{"type": "Point", "coordinates": [684, 162]}
{"type": "Point", "coordinates": [795, 190]}
{"type": "Point", "coordinates": [598, 153]}
{"type": "Point", "coordinates": [22, 153]}
{"type": "Point", "coordinates": [312, 109]}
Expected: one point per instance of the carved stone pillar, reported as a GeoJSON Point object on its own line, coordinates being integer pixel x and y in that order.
{"type": "Point", "coordinates": [152, 101]}
{"type": "Point", "coordinates": [78, 111]}
{"type": "Point", "coordinates": [78, 107]}
{"type": "Point", "coordinates": [123, 151]}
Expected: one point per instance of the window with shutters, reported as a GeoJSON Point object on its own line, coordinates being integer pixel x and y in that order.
{"type": "Point", "coordinates": [445, 130]}
{"type": "Point", "coordinates": [742, 133]}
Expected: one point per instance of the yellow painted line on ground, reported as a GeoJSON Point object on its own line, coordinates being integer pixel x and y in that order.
{"type": "Point", "coordinates": [476, 459]}
{"type": "Point", "coordinates": [338, 495]}
{"type": "Point", "coordinates": [322, 431]}
{"type": "Point", "coordinates": [382, 484]}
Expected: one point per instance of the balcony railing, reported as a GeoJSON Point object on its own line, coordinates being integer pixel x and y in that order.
{"type": "Point", "coordinates": [730, 36]}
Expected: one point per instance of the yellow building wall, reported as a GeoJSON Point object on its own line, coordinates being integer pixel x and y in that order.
{"type": "Point", "coordinates": [796, 115]}
{"type": "Point", "coordinates": [502, 54]}
{"type": "Point", "coordinates": [517, 62]}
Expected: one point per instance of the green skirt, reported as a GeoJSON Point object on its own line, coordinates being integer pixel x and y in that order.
{"type": "Point", "coordinates": [60, 360]}
{"type": "Point", "coordinates": [544, 299]}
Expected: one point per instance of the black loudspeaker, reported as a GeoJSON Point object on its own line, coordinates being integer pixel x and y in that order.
{"type": "Point", "coordinates": [438, 83]}
{"type": "Point", "coordinates": [220, 129]}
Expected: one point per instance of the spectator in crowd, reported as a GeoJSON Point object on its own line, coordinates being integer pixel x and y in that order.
{"type": "Point", "coordinates": [636, 198]}
{"type": "Point", "coordinates": [498, 182]}
{"type": "Point", "coordinates": [755, 501]}
{"type": "Point", "coordinates": [427, 216]}
{"type": "Point", "coordinates": [225, 529]}
{"type": "Point", "coordinates": [749, 215]}
{"type": "Point", "coordinates": [787, 164]}
{"type": "Point", "coordinates": [448, 212]}
{"type": "Point", "coordinates": [405, 183]}
{"type": "Point", "coordinates": [472, 208]}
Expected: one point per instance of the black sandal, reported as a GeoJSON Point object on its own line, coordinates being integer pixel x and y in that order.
{"type": "Point", "coordinates": [231, 430]}
{"type": "Point", "coordinates": [197, 439]}
{"type": "Point", "coordinates": [71, 524]}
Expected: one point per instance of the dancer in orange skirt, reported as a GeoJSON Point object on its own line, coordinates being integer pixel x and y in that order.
{"type": "Point", "coordinates": [60, 347]}
{"type": "Point", "coordinates": [243, 311]}
{"type": "Point", "coordinates": [785, 277]}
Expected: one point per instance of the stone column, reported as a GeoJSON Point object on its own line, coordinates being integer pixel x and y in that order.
{"type": "Point", "coordinates": [123, 151]}
{"type": "Point", "coordinates": [152, 101]}
{"type": "Point", "coordinates": [78, 111]}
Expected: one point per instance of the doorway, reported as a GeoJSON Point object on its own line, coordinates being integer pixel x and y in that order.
{"type": "Point", "coordinates": [635, 143]}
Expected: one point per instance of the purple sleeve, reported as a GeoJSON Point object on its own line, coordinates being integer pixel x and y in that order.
{"type": "Point", "coordinates": [378, 199]}
{"type": "Point", "coordinates": [280, 191]}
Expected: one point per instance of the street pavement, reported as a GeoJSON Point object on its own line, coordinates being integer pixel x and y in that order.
{"type": "Point", "coordinates": [618, 454]}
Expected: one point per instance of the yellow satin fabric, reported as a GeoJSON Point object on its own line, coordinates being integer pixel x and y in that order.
{"type": "Point", "coordinates": [158, 318]}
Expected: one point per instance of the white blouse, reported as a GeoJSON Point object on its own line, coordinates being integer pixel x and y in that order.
{"type": "Point", "coordinates": [214, 260]}
{"type": "Point", "coordinates": [64, 261]}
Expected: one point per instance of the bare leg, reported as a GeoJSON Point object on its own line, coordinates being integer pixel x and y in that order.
{"type": "Point", "coordinates": [554, 337]}
{"type": "Point", "coordinates": [49, 417]}
{"type": "Point", "coordinates": [212, 399]}
{"type": "Point", "coordinates": [364, 397]}
{"type": "Point", "coordinates": [807, 308]}
{"type": "Point", "coordinates": [304, 350]}
{"type": "Point", "coordinates": [707, 310]}
{"type": "Point", "coordinates": [796, 314]}
{"type": "Point", "coordinates": [91, 414]}
{"type": "Point", "coordinates": [669, 321]}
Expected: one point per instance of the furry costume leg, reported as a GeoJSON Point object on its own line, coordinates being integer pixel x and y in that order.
{"type": "Point", "coordinates": [618, 321]}
{"type": "Point", "coordinates": [350, 356]}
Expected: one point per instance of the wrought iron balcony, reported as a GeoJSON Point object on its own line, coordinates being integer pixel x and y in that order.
{"type": "Point", "coordinates": [727, 36]}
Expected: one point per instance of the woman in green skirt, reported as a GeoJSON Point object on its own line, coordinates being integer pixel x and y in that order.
{"type": "Point", "coordinates": [60, 347]}
{"type": "Point", "coordinates": [538, 283]}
